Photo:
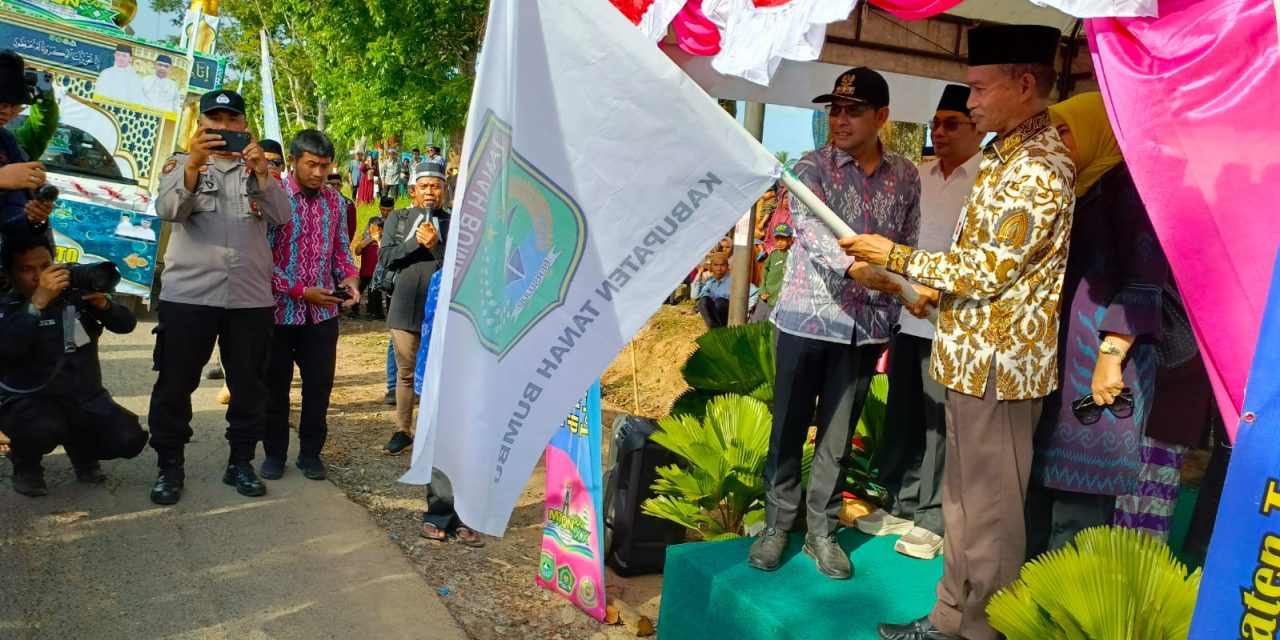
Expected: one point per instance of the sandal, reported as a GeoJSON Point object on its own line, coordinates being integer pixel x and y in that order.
{"type": "Point", "coordinates": [468, 536]}
{"type": "Point", "coordinates": [432, 532]}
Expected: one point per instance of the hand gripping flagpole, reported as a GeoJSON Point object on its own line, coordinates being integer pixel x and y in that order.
{"type": "Point", "coordinates": [842, 230]}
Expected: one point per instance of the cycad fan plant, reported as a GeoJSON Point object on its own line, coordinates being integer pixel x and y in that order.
{"type": "Point", "coordinates": [1113, 583]}
{"type": "Point", "coordinates": [722, 480]}
{"type": "Point", "coordinates": [728, 360]}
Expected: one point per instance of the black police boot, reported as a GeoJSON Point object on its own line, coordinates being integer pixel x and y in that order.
{"type": "Point", "coordinates": [168, 487]}
{"type": "Point", "coordinates": [240, 474]}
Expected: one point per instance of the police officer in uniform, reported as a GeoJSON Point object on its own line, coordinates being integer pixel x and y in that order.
{"type": "Point", "coordinates": [216, 287]}
{"type": "Point", "coordinates": [51, 389]}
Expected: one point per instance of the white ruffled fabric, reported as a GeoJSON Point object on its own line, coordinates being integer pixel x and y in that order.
{"type": "Point", "coordinates": [654, 22]}
{"type": "Point", "coordinates": [1103, 8]}
{"type": "Point", "coordinates": [754, 40]}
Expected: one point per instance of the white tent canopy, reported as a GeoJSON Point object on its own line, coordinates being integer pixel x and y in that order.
{"type": "Point", "coordinates": [796, 83]}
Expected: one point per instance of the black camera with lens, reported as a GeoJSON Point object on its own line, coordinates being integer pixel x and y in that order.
{"type": "Point", "coordinates": [39, 83]}
{"type": "Point", "coordinates": [101, 277]}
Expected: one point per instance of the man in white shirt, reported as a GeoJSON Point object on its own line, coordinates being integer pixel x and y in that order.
{"type": "Point", "coordinates": [161, 91]}
{"type": "Point", "coordinates": [120, 81]}
{"type": "Point", "coordinates": [912, 452]}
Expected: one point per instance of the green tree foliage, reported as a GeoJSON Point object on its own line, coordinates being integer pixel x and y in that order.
{"type": "Point", "coordinates": [378, 67]}
{"type": "Point", "coordinates": [1113, 583]}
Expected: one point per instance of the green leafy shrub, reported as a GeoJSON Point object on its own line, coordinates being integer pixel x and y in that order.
{"type": "Point", "coordinates": [1113, 583]}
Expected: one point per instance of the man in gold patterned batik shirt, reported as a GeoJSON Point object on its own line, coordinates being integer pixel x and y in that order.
{"type": "Point", "coordinates": [997, 293]}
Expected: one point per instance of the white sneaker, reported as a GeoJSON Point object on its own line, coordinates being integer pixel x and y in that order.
{"type": "Point", "coordinates": [883, 523]}
{"type": "Point", "coordinates": [919, 543]}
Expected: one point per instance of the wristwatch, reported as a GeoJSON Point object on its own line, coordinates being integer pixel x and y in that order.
{"type": "Point", "coordinates": [1108, 349]}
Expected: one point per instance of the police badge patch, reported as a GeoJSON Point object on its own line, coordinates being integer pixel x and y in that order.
{"type": "Point", "coordinates": [168, 166]}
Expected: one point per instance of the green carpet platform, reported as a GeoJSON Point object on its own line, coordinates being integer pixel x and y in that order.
{"type": "Point", "coordinates": [709, 592]}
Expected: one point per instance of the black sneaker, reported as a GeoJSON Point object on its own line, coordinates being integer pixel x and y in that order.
{"type": "Point", "coordinates": [831, 559]}
{"type": "Point", "coordinates": [241, 476]}
{"type": "Point", "coordinates": [766, 553]}
{"type": "Point", "coordinates": [213, 373]}
{"type": "Point", "coordinates": [312, 467]}
{"type": "Point", "coordinates": [398, 443]}
{"type": "Point", "coordinates": [91, 473]}
{"type": "Point", "coordinates": [272, 468]}
{"type": "Point", "coordinates": [390, 398]}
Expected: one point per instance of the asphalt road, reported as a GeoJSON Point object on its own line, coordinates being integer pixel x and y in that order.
{"type": "Point", "coordinates": [102, 562]}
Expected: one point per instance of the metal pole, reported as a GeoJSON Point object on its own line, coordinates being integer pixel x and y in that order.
{"type": "Point", "coordinates": [744, 235]}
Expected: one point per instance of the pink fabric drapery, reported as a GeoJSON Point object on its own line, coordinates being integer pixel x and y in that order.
{"type": "Point", "coordinates": [1192, 97]}
{"type": "Point", "coordinates": [694, 32]}
{"type": "Point", "coordinates": [916, 9]}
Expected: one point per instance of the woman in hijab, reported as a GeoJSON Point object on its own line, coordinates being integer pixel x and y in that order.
{"type": "Point", "coordinates": [1090, 438]}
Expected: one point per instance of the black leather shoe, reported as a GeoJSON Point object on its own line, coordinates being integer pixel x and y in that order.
{"type": "Point", "coordinates": [920, 629]}
{"type": "Point", "coordinates": [398, 443]}
{"type": "Point", "coordinates": [832, 561]}
{"type": "Point", "coordinates": [311, 467]}
{"type": "Point", "coordinates": [241, 476]}
{"type": "Point", "coordinates": [91, 472]}
{"type": "Point", "coordinates": [168, 487]}
{"type": "Point", "coordinates": [766, 553]}
{"type": "Point", "coordinates": [389, 399]}
{"type": "Point", "coordinates": [272, 468]}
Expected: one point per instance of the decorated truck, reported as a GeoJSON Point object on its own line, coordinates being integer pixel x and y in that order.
{"type": "Point", "coordinates": [124, 103]}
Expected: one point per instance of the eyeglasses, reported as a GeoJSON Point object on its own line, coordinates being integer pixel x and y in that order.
{"type": "Point", "coordinates": [851, 110]}
{"type": "Point", "coordinates": [1088, 412]}
{"type": "Point", "coordinates": [949, 125]}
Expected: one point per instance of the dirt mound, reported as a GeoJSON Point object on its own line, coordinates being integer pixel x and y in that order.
{"type": "Point", "coordinates": [660, 349]}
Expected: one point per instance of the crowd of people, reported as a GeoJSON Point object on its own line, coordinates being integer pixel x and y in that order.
{"type": "Point", "coordinates": [261, 262]}
{"type": "Point", "coordinates": [1052, 393]}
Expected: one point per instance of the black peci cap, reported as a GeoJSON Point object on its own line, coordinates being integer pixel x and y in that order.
{"type": "Point", "coordinates": [955, 98]}
{"type": "Point", "coordinates": [225, 99]}
{"type": "Point", "coordinates": [859, 85]}
{"type": "Point", "coordinates": [388, 202]}
{"type": "Point", "coordinates": [164, 58]}
{"type": "Point", "coordinates": [271, 146]}
{"type": "Point", "coordinates": [1013, 44]}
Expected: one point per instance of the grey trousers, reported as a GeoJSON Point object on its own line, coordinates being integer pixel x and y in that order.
{"type": "Point", "coordinates": [989, 451]}
{"type": "Point", "coordinates": [834, 378]}
{"type": "Point", "coordinates": [913, 446]}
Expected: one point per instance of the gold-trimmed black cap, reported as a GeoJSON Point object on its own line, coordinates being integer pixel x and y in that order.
{"type": "Point", "coordinates": [859, 84]}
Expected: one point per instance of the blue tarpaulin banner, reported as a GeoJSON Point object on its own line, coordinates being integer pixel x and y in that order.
{"type": "Point", "coordinates": [1240, 590]}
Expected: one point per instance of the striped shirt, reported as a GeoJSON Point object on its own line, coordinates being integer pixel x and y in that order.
{"type": "Point", "coordinates": [312, 249]}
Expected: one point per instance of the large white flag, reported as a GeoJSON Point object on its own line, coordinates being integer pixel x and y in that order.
{"type": "Point", "coordinates": [596, 175]}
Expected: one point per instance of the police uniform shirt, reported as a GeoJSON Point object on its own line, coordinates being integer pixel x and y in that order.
{"type": "Point", "coordinates": [218, 254]}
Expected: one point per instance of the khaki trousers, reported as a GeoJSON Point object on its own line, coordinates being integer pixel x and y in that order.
{"type": "Point", "coordinates": [405, 345]}
{"type": "Point", "coordinates": [989, 450]}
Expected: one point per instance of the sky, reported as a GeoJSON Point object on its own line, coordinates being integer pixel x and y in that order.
{"type": "Point", "coordinates": [151, 25]}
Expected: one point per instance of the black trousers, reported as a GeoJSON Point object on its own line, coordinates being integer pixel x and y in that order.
{"type": "Point", "coordinates": [714, 311]}
{"type": "Point", "coordinates": [314, 348]}
{"type": "Point", "coordinates": [914, 443]}
{"type": "Point", "coordinates": [1054, 517]}
{"type": "Point", "coordinates": [184, 341]}
{"type": "Point", "coordinates": [833, 377]}
{"type": "Point", "coordinates": [440, 511]}
{"type": "Point", "coordinates": [36, 426]}
{"type": "Point", "coordinates": [372, 297]}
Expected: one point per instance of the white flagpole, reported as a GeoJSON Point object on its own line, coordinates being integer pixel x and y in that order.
{"type": "Point", "coordinates": [270, 115]}
{"type": "Point", "coordinates": [838, 227]}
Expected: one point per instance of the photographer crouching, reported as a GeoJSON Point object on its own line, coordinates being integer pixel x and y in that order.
{"type": "Point", "coordinates": [51, 389]}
